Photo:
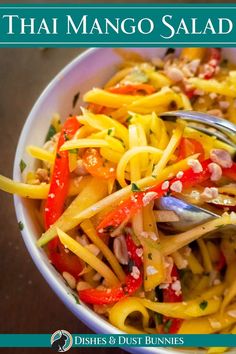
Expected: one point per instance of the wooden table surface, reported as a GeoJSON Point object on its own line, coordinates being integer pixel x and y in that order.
{"type": "Point", "coordinates": [27, 303]}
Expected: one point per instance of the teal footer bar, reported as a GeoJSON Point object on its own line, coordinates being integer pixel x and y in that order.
{"type": "Point", "coordinates": [116, 340]}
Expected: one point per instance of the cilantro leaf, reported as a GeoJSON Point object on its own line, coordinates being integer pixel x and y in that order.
{"type": "Point", "coordinates": [73, 151]}
{"type": "Point", "coordinates": [203, 304]}
{"type": "Point", "coordinates": [135, 188]}
{"type": "Point", "coordinates": [167, 326]}
{"type": "Point", "coordinates": [22, 165]}
{"type": "Point", "coordinates": [75, 99]}
{"type": "Point", "coordinates": [51, 132]}
{"type": "Point", "coordinates": [150, 256]}
{"type": "Point", "coordinates": [76, 298]}
{"type": "Point", "coordinates": [20, 225]}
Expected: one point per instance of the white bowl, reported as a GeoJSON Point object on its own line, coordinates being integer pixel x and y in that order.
{"type": "Point", "coordinates": [92, 68]}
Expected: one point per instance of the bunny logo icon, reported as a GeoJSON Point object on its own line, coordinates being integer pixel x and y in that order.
{"type": "Point", "coordinates": [61, 341]}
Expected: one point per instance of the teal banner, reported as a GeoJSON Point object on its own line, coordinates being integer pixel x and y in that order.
{"type": "Point", "coordinates": [116, 340]}
{"type": "Point", "coordinates": [126, 25]}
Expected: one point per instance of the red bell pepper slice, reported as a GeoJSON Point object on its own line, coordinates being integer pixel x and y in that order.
{"type": "Point", "coordinates": [221, 263]}
{"type": "Point", "coordinates": [132, 251]}
{"type": "Point", "coordinates": [170, 295]}
{"type": "Point", "coordinates": [188, 147]}
{"type": "Point", "coordinates": [132, 89]}
{"type": "Point", "coordinates": [59, 185]}
{"type": "Point", "coordinates": [54, 205]}
{"type": "Point", "coordinates": [189, 92]}
{"type": "Point", "coordinates": [129, 207]}
{"type": "Point", "coordinates": [212, 63]}
{"type": "Point", "coordinates": [98, 109]}
{"type": "Point", "coordinates": [111, 296]}
{"type": "Point", "coordinates": [230, 172]}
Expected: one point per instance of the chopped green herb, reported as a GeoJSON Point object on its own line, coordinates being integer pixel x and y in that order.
{"type": "Point", "coordinates": [203, 304]}
{"type": "Point", "coordinates": [20, 225]}
{"type": "Point", "coordinates": [74, 151]}
{"type": "Point", "coordinates": [150, 256]}
{"type": "Point", "coordinates": [220, 226]}
{"type": "Point", "coordinates": [66, 137]}
{"type": "Point", "coordinates": [51, 132]}
{"type": "Point", "coordinates": [167, 326]}
{"type": "Point", "coordinates": [128, 120]}
{"type": "Point", "coordinates": [135, 188]}
{"type": "Point", "coordinates": [76, 299]}
{"type": "Point", "coordinates": [75, 99]}
{"type": "Point", "coordinates": [154, 176]}
{"type": "Point", "coordinates": [110, 130]}
{"type": "Point", "coordinates": [159, 318]}
{"type": "Point", "coordinates": [22, 165]}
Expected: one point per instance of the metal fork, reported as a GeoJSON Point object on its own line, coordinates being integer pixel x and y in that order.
{"type": "Point", "coordinates": [206, 123]}
{"type": "Point", "coordinates": [192, 215]}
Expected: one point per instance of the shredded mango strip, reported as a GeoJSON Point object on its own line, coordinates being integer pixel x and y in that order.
{"type": "Point", "coordinates": [115, 144]}
{"type": "Point", "coordinates": [173, 143]}
{"type": "Point", "coordinates": [229, 296]}
{"type": "Point", "coordinates": [88, 257]}
{"type": "Point", "coordinates": [40, 154]}
{"type": "Point", "coordinates": [205, 256]}
{"type": "Point", "coordinates": [83, 143]}
{"type": "Point", "coordinates": [158, 80]}
{"type": "Point", "coordinates": [24, 190]}
{"type": "Point", "coordinates": [88, 196]}
{"type": "Point", "coordinates": [152, 259]}
{"type": "Point", "coordinates": [194, 264]}
{"type": "Point", "coordinates": [170, 244]}
{"type": "Point", "coordinates": [130, 154]}
{"type": "Point", "coordinates": [162, 97]}
{"type": "Point", "coordinates": [40, 191]}
{"type": "Point", "coordinates": [110, 155]}
{"type": "Point", "coordinates": [90, 231]}
{"type": "Point", "coordinates": [135, 174]}
{"type": "Point", "coordinates": [117, 77]}
{"type": "Point", "coordinates": [122, 309]}
{"type": "Point", "coordinates": [209, 324]}
{"type": "Point", "coordinates": [103, 122]}
{"type": "Point", "coordinates": [186, 310]}
{"type": "Point", "coordinates": [215, 86]}
{"type": "Point", "coordinates": [108, 99]}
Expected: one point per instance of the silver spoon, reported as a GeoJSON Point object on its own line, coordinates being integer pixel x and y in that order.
{"type": "Point", "coordinates": [189, 216]}
{"type": "Point", "coordinates": [207, 123]}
